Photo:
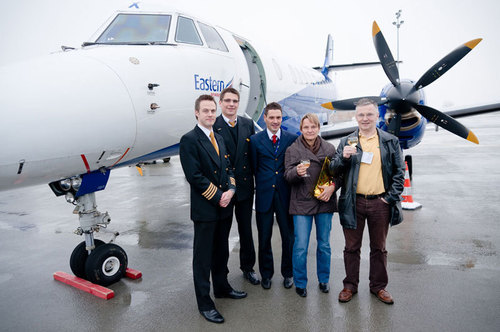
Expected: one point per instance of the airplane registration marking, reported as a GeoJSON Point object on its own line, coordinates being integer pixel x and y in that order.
{"type": "Point", "coordinates": [121, 157]}
{"type": "Point", "coordinates": [85, 162]}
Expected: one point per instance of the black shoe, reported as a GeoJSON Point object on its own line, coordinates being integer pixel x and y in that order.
{"type": "Point", "coordinates": [288, 282]}
{"type": "Point", "coordinates": [212, 316]}
{"type": "Point", "coordinates": [266, 283]}
{"type": "Point", "coordinates": [251, 277]}
{"type": "Point", "coordinates": [301, 291]}
{"type": "Point", "coordinates": [232, 294]}
{"type": "Point", "coordinates": [324, 287]}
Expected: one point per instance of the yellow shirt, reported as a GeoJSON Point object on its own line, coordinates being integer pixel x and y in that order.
{"type": "Point", "coordinates": [370, 181]}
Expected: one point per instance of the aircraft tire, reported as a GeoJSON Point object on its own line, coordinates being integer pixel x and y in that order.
{"type": "Point", "coordinates": [106, 264]}
{"type": "Point", "coordinates": [79, 257]}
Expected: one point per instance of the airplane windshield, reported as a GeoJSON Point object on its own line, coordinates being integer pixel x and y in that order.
{"type": "Point", "coordinates": [133, 28]}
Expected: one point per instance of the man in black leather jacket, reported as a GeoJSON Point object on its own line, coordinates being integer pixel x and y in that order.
{"type": "Point", "coordinates": [372, 169]}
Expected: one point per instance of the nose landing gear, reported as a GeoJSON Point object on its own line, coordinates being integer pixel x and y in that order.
{"type": "Point", "coordinates": [98, 262]}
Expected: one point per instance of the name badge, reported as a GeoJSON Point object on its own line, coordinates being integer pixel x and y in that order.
{"type": "Point", "coordinates": [367, 157]}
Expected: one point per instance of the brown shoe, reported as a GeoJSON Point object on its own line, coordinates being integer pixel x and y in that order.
{"type": "Point", "coordinates": [346, 295]}
{"type": "Point", "coordinates": [384, 296]}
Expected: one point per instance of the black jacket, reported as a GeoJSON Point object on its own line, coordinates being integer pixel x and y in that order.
{"type": "Point", "coordinates": [393, 173]}
{"type": "Point", "coordinates": [239, 153]}
{"type": "Point", "coordinates": [208, 174]}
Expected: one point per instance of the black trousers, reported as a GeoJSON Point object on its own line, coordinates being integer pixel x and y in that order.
{"type": "Point", "coordinates": [243, 214]}
{"type": "Point", "coordinates": [265, 228]}
{"type": "Point", "coordinates": [210, 254]}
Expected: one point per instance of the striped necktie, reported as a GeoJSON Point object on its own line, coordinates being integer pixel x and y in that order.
{"type": "Point", "coordinates": [212, 139]}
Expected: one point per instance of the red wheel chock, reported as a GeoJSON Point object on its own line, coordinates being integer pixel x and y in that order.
{"type": "Point", "coordinates": [87, 286]}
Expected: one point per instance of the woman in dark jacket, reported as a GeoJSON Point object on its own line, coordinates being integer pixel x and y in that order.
{"type": "Point", "coordinates": [305, 207]}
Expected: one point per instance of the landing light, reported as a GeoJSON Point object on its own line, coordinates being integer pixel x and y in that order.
{"type": "Point", "coordinates": [76, 183]}
{"type": "Point", "coordinates": [70, 198]}
{"type": "Point", "coordinates": [65, 184]}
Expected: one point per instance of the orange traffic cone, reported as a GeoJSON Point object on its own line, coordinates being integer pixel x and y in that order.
{"type": "Point", "coordinates": [408, 203]}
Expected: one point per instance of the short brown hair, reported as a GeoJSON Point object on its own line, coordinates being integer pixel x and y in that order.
{"type": "Point", "coordinates": [229, 90]}
{"type": "Point", "coordinates": [202, 98]}
{"type": "Point", "coordinates": [272, 106]}
{"type": "Point", "coordinates": [366, 101]}
{"type": "Point", "coordinates": [311, 117]}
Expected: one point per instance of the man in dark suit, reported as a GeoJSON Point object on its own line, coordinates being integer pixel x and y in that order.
{"type": "Point", "coordinates": [208, 170]}
{"type": "Point", "coordinates": [236, 131]}
{"type": "Point", "coordinates": [272, 194]}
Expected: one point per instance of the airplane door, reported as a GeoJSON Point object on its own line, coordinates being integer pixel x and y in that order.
{"type": "Point", "coordinates": [257, 89]}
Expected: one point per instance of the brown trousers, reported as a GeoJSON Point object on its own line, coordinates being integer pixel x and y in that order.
{"type": "Point", "coordinates": [376, 214]}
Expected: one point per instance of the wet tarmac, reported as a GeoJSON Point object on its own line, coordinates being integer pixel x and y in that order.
{"type": "Point", "coordinates": [444, 264]}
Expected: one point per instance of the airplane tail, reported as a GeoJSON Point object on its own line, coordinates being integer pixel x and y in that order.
{"type": "Point", "coordinates": [328, 57]}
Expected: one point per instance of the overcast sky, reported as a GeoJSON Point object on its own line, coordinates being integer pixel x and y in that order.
{"type": "Point", "coordinates": [298, 30]}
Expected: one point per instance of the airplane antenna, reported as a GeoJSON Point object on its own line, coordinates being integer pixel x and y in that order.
{"type": "Point", "coordinates": [398, 24]}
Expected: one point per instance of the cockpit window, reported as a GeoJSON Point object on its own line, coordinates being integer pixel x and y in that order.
{"type": "Point", "coordinates": [133, 28]}
{"type": "Point", "coordinates": [186, 32]}
{"type": "Point", "coordinates": [212, 37]}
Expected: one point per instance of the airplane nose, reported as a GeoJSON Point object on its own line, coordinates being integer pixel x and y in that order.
{"type": "Point", "coordinates": [65, 97]}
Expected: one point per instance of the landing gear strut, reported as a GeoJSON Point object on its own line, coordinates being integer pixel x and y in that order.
{"type": "Point", "coordinates": [99, 262]}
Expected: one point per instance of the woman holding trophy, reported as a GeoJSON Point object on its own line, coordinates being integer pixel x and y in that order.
{"type": "Point", "coordinates": [312, 197]}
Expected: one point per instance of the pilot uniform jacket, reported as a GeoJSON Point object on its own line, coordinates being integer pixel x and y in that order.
{"type": "Point", "coordinates": [209, 175]}
{"type": "Point", "coordinates": [393, 171]}
{"type": "Point", "coordinates": [269, 169]}
{"type": "Point", "coordinates": [239, 153]}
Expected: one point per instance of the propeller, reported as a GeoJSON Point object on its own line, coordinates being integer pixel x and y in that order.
{"type": "Point", "coordinates": [403, 99]}
{"type": "Point", "coordinates": [385, 55]}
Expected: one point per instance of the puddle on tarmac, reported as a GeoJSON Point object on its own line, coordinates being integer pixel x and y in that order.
{"type": "Point", "coordinates": [406, 258]}
{"type": "Point", "coordinates": [172, 236]}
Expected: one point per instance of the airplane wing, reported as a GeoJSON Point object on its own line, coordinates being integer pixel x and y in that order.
{"type": "Point", "coordinates": [342, 129]}
{"type": "Point", "coordinates": [473, 110]}
{"type": "Point", "coordinates": [347, 66]}
{"type": "Point", "coordinates": [338, 130]}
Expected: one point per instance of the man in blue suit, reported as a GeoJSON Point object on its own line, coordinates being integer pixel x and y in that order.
{"type": "Point", "coordinates": [272, 196]}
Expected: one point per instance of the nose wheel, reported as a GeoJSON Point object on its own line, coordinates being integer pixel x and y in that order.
{"type": "Point", "coordinates": [79, 258]}
{"type": "Point", "coordinates": [106, 264]}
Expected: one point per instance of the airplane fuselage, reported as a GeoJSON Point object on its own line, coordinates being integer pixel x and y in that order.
{"type": "Point", "coordinates": [118, 101]}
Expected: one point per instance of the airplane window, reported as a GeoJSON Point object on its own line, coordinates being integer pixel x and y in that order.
{"type": "Point", "coordinates": [294, 77]}
{"type": "Point", "coordinates": [214, 40]}
{"type": "Point", "coordinates": [277, 69]}
{"type": "Point", "coordinates": [186, 32]}
{"type": "Point", "coordinates": [133, 28]}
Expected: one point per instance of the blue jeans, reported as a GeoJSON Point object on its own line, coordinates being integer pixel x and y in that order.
{"type": "Point", "coordinates": [302, 230]}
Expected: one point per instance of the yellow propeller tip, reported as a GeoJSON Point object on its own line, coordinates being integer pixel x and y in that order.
{"type": "Point", "coordinates": [375, 29]}
{"type": "Point", "coordinates": [471, 44]}
{"type": "Point", "coordinates": [471, 137]}
{"type": "Point", "coordinates": [328, 105]}
{"type": "Point", "coordinates": [139, 169]}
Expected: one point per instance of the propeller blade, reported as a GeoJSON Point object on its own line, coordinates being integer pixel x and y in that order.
{"type": "Point", "coordinates": [446, 63]}
{"type": "Point", "coordinates": [350, 104]}
{"type": "Point", "coordinates": [447, 122]}
{"type": "Point", "coordinates": [385, 55]}
{"type": "Point", "coordinates": [395, 125]}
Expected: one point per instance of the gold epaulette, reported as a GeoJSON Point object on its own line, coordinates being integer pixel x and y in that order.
{"type": "Point", "coordinates": [210, 192]}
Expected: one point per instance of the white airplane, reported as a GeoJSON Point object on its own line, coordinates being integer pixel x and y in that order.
{"type": "Point", "coordinates": [126, 97]}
